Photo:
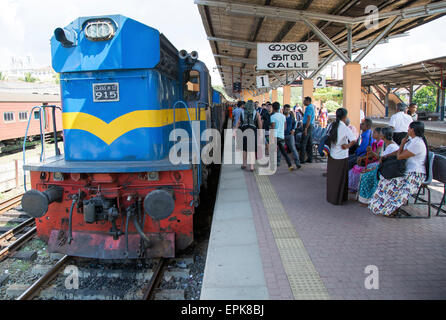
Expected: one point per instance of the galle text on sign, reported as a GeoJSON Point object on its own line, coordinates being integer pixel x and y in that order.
{"type": "Point", "coordinates": [288, 56]}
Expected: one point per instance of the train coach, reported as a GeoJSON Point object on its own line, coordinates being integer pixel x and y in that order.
{"type": "Point", "coordinates": [15, 113]}
{"type": "Point", "coordinates": [114, 193]}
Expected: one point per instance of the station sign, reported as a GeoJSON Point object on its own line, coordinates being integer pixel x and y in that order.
{"type": "Point", "coordinates": [288, 56]}
{"type": "Point", "coordinates": [262, 82]}
{"type": "Point", "coordinates": [320, 82]}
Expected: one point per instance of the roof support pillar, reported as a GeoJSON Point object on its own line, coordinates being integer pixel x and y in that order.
{"type": "Point", "coordinates": [275, 95]}
{"type": "Point", "coordinates": [386, 101]}
{"type": "Point", "coordinates": [377, 39]}
{"type": "Point", "coordinates": [318, 32]}
{"type": "Point", "coordinates": [442, 104]}
{"type": "Point", "coordinates": [286, 94]}
{"type": "Point", "coordinates": [307, 88]}
{"type": "Point", "coordinates": [349, 42]}
{"type": "Point", "coordinates": [411, 93]}
{"type": "Point", "coordinates": [352, 92]}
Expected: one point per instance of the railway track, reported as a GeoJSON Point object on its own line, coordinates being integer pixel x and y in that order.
{"type": "Point", "coordinates": [10, 203]}
{"type": "Point", "coordinates": [42, 289]}
{"type": "Point", "coordinates": [16, 237]}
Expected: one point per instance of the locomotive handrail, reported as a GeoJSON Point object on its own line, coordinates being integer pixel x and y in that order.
{"type": "Point", "coordinates": [190, 121]}
{"type": "Point", "coordinates": [199, 109]}
{"type": "Point", "coordinates": [42, 140]}
{"type": "Point", "coordinates": [193, 134]}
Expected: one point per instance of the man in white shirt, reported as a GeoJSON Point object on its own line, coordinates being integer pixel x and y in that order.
{"type": "Point", "coordinates": [400, 122]}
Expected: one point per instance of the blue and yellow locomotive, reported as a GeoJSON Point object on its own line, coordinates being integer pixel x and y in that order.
{"type": "Point", "coordinates": [114, 193]}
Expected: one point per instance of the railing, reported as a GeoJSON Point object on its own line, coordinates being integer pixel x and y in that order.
{"type": "Point", "coordinates": [195, 141]}
{"type": "Point", "coordinates": [381, 106]}
{"type": "Point", "coordinates": [190, 122]}
{"type": "Point", "coordinates": [42, 133]}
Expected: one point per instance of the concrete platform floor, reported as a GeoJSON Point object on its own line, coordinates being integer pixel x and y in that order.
{"type": "Point", "coordinates": [276, 237]}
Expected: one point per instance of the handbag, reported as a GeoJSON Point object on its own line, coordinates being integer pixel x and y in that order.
{"type": "Point", "coordinates": [391, 168]}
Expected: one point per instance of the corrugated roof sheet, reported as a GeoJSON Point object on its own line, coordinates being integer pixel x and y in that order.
{"type": "Point", "coordinates": [26, 97]}
{"type": "Point", "coordinates": [221, 23]}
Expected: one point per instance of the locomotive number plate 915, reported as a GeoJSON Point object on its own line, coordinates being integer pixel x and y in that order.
{"type": "Point", "coordinates": [105, 92]}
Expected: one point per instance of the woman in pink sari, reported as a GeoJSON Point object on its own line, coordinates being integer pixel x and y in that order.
{"type": "Point", "coordinates": [369, 161]}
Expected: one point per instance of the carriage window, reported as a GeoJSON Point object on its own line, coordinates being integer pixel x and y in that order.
{"type": "Point", "coordinates": [36, 115]}
{"type": "Point", "coordinates": [192, 86]}
{"type": "Point", "coordinates": [23, 116]}
{"type": "Point", "coordinates": [8, 116]}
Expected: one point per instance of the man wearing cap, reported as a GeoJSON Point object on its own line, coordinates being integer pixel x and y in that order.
{"type": "Point", "coordinates": [400, 122]}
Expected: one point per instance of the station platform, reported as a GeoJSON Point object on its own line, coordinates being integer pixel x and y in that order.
{"type": "Point", "coordinates": [276, 237]}
{"type": "Point", "coordinates": [435, 131]}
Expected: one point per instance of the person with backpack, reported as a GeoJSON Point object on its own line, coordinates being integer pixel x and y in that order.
{"type": "Point", "coordinates": [289, 133]}
{"type": "Point", "coordinates": [249, 122]}
{"type": "Point", "coordinates": [278, 122]}
{"type": "Point", "coordinates": [236, 112]}
{"type": "Point", "coordinates": [265, 115]}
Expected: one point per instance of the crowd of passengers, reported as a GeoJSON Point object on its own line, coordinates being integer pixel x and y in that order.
{"type": "Point", "coordinates": [353, 158]}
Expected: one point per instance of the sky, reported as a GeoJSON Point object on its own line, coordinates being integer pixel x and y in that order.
{"type": "Point", "coordinates": [26, 27]}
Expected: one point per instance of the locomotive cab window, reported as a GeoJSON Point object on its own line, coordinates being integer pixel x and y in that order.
{"type": "Point", "coordinates": [192, 86]}
{"type": "Point", "coordinates": [8, 116]}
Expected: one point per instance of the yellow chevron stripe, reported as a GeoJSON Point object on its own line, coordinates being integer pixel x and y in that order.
{"type": "Point", "coordinates": [109, 132]}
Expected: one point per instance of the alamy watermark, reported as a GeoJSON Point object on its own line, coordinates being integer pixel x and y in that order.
{"type": "Point", "coordinates": [72, 279]}
{"type": "Point", "coordinates": [196, 146]}
{"type": "Point", "coordinates": [371, 282]}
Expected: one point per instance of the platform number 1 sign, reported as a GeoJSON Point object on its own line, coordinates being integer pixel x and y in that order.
{"type": "Point", "coordinates": [320, 82]}
{"type": "Point", "coordinates": [263, 82]}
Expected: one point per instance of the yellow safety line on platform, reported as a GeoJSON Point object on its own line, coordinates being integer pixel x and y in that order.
{"type": "Point", "coordinates": [305, 281]}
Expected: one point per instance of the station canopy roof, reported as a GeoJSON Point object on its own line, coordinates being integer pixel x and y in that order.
{"type": "Point", "coordinates": [234, 27]}
{"type": "Point", "coordinates": [427, 72]}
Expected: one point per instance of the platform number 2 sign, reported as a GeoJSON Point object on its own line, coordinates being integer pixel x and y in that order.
{"type": "Point", "coordinates": [262, 82]}
{"type": "Point", "coordinates": [320, 82]}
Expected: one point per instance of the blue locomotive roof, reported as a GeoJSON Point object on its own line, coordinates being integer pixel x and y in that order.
{"type": "Point", "coordinates": [133, 46]}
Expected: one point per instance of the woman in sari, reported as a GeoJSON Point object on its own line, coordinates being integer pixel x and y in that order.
{"type": "Point", "coordinates": [340, 138]}
{"type": "Point", "coordinates": [369, 179]}
{"type": "Point", "coordinates": [391, 194]}
{"type": "Point", "coordinates": [369, 161]}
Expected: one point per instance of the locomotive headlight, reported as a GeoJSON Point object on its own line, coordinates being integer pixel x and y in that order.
{"type": "Point", "coordinates": [103, 31]}
{"type": "Point", "coordinates": [92, 31]}
{"type": "Point", "coordinates": [99, 30]}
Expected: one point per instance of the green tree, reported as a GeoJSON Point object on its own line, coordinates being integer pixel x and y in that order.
{"type": "Point", "coordinates": [29, 78]}
{"type": "Point", "coordinates": [426, 98]}
{"type": "Point", "coordinates": [2, 76]}
{"type": "Point", "coordinates": [332, 106]}
{"type": "Point", "coordinates": [329, 94]}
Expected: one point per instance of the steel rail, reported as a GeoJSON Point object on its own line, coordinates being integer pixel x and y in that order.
{"type": "Point", "coordinates": [154, 281]}
{"type": "Point", "coordinates": [17, 244]}
{"type": "Point", "coordinates": [9, 234]}
{"type": "Point", "coordinates": [10, 203]}
{"type": "Point", "coordinates": [34, 289]}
